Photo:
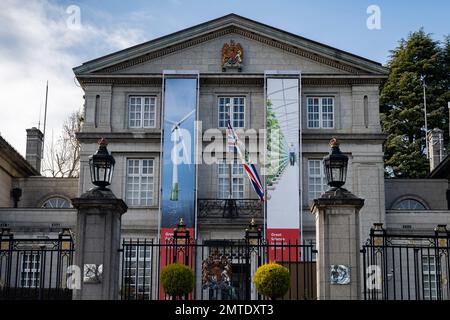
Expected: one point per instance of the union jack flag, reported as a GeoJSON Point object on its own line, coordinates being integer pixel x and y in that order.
{"type": "Point", "coordinates": [234, 143]}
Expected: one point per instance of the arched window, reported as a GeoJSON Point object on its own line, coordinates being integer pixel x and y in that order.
{"type": "Point", "coordinates": [56, 202]}
{"type": "Point", "coordinates": [409, 204]}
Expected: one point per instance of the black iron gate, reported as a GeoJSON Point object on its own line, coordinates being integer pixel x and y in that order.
{"type": "Point", "coordinates": [35, 269]}
{"type": "Point", "coordinates": [406, 266]}
{"type": "Point", "coordinates": [143, 259]}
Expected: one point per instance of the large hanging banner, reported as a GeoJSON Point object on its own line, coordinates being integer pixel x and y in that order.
{"type": "Point", "coordinates": [283, 165]}
{"type": "Point", "coordinates": [178, 172]}
{"type": "Point", "coordinates": [178, 163]}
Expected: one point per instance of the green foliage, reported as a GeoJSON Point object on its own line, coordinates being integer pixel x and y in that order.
{"type": "Point", "coordinates": [272, 280]}
{"type": "Point", "coordinates": [177, 279]}
{"type": "Point", "coordinates": [402, 106]}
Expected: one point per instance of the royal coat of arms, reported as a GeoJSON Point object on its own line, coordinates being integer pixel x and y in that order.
{"type": "Point", "coordinates": [232, 56]}
{"type": "Point", "coordinates": [216, 271]}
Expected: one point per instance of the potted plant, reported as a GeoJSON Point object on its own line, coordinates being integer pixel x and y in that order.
{"type": "Point", "coordinates": [177, 280]}
{"type": "Point", "coordinates": [272, 280]}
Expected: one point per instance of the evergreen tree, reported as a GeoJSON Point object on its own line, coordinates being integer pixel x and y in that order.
{"type": "Point", "coordinates": [402, 106]}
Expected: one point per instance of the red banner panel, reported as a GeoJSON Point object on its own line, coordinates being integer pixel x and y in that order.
{"type": "Point", "coordinates": [279, 241]}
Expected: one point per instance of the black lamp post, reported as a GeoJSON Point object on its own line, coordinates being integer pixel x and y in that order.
{"type": "Point", "coordinates": [253, 233]}
{"type": "Point", "coordinates": [101, 165]}
{"type": "Point", "coordinates": [335, 166]}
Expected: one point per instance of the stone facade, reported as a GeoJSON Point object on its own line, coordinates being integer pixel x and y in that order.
{"type": "Point", "coordinates": [352, 81]}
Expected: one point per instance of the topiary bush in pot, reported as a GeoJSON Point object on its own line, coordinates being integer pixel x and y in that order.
{"type": "Point", "coordinates": [177, 280]}
{"type": "Point", "coordinates": [272, 280]}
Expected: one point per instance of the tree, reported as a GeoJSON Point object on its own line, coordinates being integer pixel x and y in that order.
{"type": "Point", "coordinates": [401, 100]}
{"type": "Point", "coordinates": [62, 159]}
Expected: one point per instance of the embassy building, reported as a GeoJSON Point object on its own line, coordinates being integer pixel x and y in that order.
{"type": "Point", "coordinates": [166, 107]}
{"type": "Point", "coordinates": [337, 92]}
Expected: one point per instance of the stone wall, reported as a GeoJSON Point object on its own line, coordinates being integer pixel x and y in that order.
{"type": "Point", "coordinates": [431, 192]}
{"type": "Point", "coordinates": [36, 190]}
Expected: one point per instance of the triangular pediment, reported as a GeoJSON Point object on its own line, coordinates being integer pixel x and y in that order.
{"type": "Point", "coordinates": [199, 48]}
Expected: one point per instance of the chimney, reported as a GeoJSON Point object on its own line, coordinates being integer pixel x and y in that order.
{"type": "Point", "coordinates": [35, 140]}
{"type": "Point", "coordinates": [436, 145]}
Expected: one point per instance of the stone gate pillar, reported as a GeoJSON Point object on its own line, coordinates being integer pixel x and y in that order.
{"type": "Point", "coordinates": [98, 243]}
{"type": "Point", "coordinates": [337, 241]}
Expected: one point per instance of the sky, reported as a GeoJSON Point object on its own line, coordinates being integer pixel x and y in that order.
{"type": "Point", "coordinates": [43, 40]}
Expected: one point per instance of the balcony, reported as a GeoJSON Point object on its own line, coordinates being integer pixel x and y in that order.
{"type": "Point", "coordinates": [240, 211]}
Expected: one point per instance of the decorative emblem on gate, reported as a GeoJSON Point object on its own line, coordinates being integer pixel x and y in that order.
{"type": "Point", "coordinates": [232, 56]}
{"type": "Point", "coordinates": [216, 271]}
{"type": "Point", "coordinates": [339, 274]}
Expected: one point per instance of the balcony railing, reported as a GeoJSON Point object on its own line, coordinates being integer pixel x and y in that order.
{"type": "Point", "coordinates": [230, 208]}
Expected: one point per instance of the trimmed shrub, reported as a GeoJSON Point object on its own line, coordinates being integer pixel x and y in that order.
{"type": "Point", "coordinates": [177, 279]}
{"type": "Point", "coordinates": [272, 280]}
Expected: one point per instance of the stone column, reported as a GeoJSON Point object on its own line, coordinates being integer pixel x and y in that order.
{"type": "Point", "coordinates": [337, 241]}
{"type": "Point", "coordinates": [98, 243]}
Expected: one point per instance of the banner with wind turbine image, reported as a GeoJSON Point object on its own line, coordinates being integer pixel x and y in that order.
{"type": "Point", "coordinates": [178, 175]}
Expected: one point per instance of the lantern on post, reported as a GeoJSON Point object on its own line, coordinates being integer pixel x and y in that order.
{"type": "Point", "coordinates": [442, 235]}
{"type": "Point", "coordinates": [253, 233]}
{"type": "Point", "coordinates": [181, 234]}
{"type": "Point", "coordinates": [6, 238]}
{"type": "Point", "coordinates": [65, 239]}
{"type": "Point", "coordinates": [335, 165]}
{"type": "Point", "coordinates": [377, 233]}
{"type": "Point", "coordinates": [101, 165]}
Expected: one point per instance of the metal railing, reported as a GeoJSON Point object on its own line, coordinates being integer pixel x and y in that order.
{"type": "Point", "coordinates": [223, 269]}
{"type": "Point", "coordinates": [406, 266]}
{"type": "Point", "coordinates": [35, 269]}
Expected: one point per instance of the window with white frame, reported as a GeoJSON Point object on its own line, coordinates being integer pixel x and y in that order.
{"type": "Point", "coordinates": [137, 271]}
{"type": "Point", "coordinates": [234, 107]}
{"type": "Point", "coordinates": [320, 112]}
{"type": "Point", "coordinates": [142, 112]}
{"type": "Point", "coordinates": [429, 272]}
{"type": "Point", "coordinates": [237, 180]}
{"type": "Point", "coordinates": [31, 270]}
{"type": "Point", "coordinates": [140, 182]}
{"type": "Point", "coordinates": [317, 183]}
{"type": "Point", "coordinates": [56, 202]}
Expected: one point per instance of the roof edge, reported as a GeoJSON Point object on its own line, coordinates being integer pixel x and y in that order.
{"type": "Point", "coordinates": [220, 23]}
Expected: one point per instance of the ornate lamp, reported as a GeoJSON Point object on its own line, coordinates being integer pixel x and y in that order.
{"type": "Point", "coordinates": [6, 238]}
{"type": "Point", "coordinates": [101, 165]}
{"type": "Point", "coordinates": [65, 239]}
{"type": "Point", "coordinates": [442, 235]}
{"type": "Point", "coordinates": [335, 165]}
{"type": "Point", "coordinates": [181, 234]}
{"type": "Point", "coordinates": [253, 233]}
{"type": "Point", "coordinates": [378, 233]}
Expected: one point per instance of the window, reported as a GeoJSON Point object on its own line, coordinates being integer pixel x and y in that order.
{"type": "Point", "coordinates": [429, 272]}
{"type": "Point", "coordinates": [237, 176]}
{"type": "Point", "coordinates": [31, 270]}
{"type": "Point", "coordinates": [140, 182]}
{"type": "Point", "coordinates": [317, 183]}
{"type": "Point", "coordinates": [234, 106]}
{"type": "Point", "coordinates": [409, 204]}
{"type": "Point", "coordinates": [142, 112]}
{"type": "Point", "coordinates": [320, 112]}
{"type": "Point", "coordinates": [137, 271]}
{"type": "Point", "coordinates": [56, 202]}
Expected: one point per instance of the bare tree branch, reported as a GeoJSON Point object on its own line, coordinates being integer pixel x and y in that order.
{"type": "Point", "coordinates": [62, 159]}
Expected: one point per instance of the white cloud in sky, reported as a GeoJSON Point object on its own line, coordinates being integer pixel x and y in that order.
{"type": "Point", "coordinates": [37, 45]}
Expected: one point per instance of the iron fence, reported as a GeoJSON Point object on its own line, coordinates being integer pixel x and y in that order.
{"type": "Point", "coordinates": [35, 269]}
{"type": "Point", "coordinates": [223, 269]}
{"type": "Point", "coordinates": [406, 266]}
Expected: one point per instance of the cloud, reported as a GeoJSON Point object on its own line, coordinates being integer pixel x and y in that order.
{"type": "Point", "coordinates": [37, 44]}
